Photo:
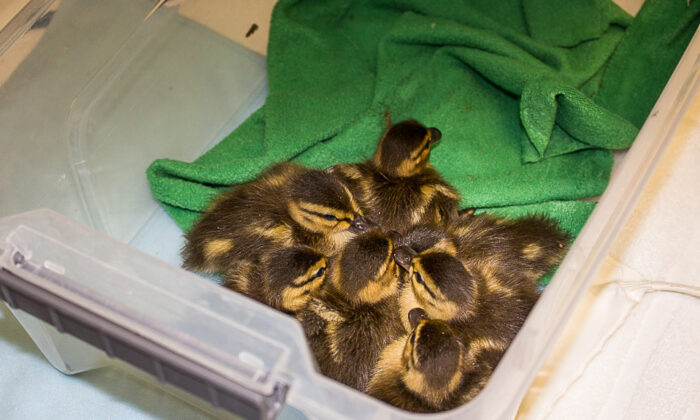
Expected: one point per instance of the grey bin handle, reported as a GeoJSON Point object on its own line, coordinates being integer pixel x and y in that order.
{"type": "Point", "coordinates": [147, 355]}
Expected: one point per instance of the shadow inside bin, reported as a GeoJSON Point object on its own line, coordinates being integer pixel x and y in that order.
{"type": "Point", "coordinates": [11, 332]}
{"type": "Point", "coordinates": [147, 398]}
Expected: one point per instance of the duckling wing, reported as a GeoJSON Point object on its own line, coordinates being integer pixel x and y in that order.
{"type": "Point", "coordinates": [512, 253]}
{"type": "Point", "coordinates": [240, 223]}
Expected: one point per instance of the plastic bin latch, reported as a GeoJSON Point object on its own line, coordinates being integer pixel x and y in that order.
{"type": "Point", "coordinates": [30, 286]}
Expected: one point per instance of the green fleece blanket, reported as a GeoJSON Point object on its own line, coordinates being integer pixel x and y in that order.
{"type": "Point", "coordinates": [530, 95]}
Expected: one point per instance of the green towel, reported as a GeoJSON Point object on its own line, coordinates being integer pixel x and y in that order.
{"type": "Point", "coordinates": [514, 86]}
{"type": "Point", "coordinates": [663, 32]}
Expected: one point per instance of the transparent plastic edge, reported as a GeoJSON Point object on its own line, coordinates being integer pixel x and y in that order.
{"type": "Point", "coordinates": [65, 353]}
{"type": "Point", "coordinates": [545, 323]}
{"type": "Point", "coordinates": [307, 386]}
{"type": "Point", "coordinates": [101, 83]}
{"type": "Point", "coordinates": [76, 125]}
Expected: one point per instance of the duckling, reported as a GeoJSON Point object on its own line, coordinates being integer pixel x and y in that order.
{"type": "Point", "coordinates": [398, 188]}
{"type": "Point", "coordinates": [509, 250]}
{"type": "Point", "coordinates": [477, 275]}
{"type": "Point", "coordinates": [438, 283]}
{"type": "Point", "coordinates": [287, 205]}
{"type": "Point", "coordinates": [284, 281]}
{"type": "Point", "coordinates": [355, 313]}
{"type": "Point", "coordinates": [424, 371]}
{"type": "Point", "coordinates": [511, 255]}
{"type": "Point", "coordinates": [486, 311]}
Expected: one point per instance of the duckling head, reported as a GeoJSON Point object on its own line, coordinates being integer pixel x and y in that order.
{"type": "Point", "coordinates": [423, 237]}
{"type": "Point", "coordinates": [320, 203]}
{"type": "Point", "coordinates": [365, 271]}
{"type": "Point", "coordinates": [294, 274]}
{"type": "Point", "coordinates": [441, 284]}
{"type": "Point", "coordinates": [431, 363]}
{"type": "Point", "coordinates": [404, 149]}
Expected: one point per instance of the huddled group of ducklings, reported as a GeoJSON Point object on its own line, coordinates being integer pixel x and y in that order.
{"type": "Point", "coordinates": [400, 295]}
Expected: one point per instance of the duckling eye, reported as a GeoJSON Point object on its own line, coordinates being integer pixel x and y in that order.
{"type": "Point", "coordinates": [330, 217]}
{"type": "Point", "coordinates": [319, 273]}
{"type": "Point", "coordinates": [425, 147]}
{"type": "Point", "coordinates": [420, 280]}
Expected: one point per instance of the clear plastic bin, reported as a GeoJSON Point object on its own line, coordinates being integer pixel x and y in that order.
{"type": "Point", "coordinates": [103, 94]}
{"type": "Point", "coordinates": [113, 99]}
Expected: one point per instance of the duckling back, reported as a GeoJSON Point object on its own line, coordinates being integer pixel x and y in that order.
{"type": "Point", "coordinates": [243, 223]}
{"type": "Point", "coordinates": [350, 343]}
{"type": "Point", "coordinates": [424, 371]}
{"type": "Point", "coordinates": [512, 252]}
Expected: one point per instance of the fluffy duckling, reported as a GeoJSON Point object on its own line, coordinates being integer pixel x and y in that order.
{"type": "Point", "coordinates": [424, 371]}
{"type": "Point", "coordinates": [287, 205]}
{"type": "Point", "coordinates": [439, 284]}
{"type": "Point", "coordinates": [284, 281]}
{"type": "Point", "coordinates": [514, 252]}
{"type": "Point", "coordinates": [398, 188]}
{"type": "Point", "coordinates": [487, 313]}
{"type": "Point", "coordinates": [509, 251]}
{"type": "Point", "coordinates": [479, 258]}
{"type": "Point", "coordinates": [355, 314]}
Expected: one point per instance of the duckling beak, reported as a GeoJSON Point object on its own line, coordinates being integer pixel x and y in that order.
{"type": "Point", "coordinates": [361, 225]}
{"type": "Point", "coordinates": [415, 315]}
{"type": "Point", "coordinates": [394, 236]}
{"type": "Point", "coordinates": [435, 135]}
{"type": "Point", "coordinates": [332, 170]}
{"type": "Point", "coordinates": [403, 256]}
